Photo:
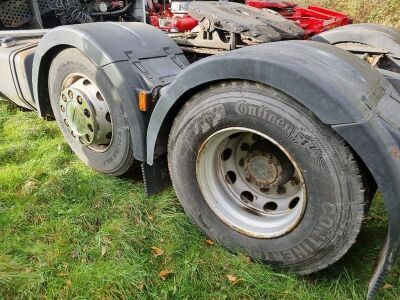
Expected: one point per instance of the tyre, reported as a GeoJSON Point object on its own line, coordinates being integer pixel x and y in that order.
{"type": "Point", "coordinates": [90, 119]}
{"type": "Point", "coordinates": [259, 173]}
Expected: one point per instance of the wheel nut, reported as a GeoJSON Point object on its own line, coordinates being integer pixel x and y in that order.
{"type": "Point", "coordinates": [86, 113]}
{"type": "Point", "coordinates": [64, 98]}
{"type": "Point", "coordinates": [79, 99]}
{"type": "Point", "coordinates": [244, 147]}
{"type": "Point", "coordinates": [281, 190]}
{"type": "Point", "coordinates": [70, 94]}
{"type": "Point", "coordinates": [294, 181]}
{"type": "Point", "coordinates": [241, 162]}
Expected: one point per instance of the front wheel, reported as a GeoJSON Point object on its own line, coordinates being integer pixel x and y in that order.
{"type": "Point", "coordinates": [259, 173]}
{"type": "Point", "coordinates": [89, 116]}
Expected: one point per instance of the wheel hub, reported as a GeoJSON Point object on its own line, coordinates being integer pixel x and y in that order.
{"type": "Point", "coordinates": [85, 113]}
{"type": "Point", "coordinates": [265, 166]}
{"type": "Point", "coordinates": [262, 170]}
{"type": "Point", "coordinates": [251, 183]}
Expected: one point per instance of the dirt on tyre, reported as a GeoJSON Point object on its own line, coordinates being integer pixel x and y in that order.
{"type": "Point", "coordinates": [259, 173]}
{"type": "Point", "coordinates": [90, 118]}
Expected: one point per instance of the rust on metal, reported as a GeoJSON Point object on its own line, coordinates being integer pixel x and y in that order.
{"type": "Point", "coordinates": [395, 152]}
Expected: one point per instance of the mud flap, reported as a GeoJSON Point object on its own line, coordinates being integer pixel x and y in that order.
{"type": "Point", "coordinates": [156, 177]}
{"type": "Point", "coordinates": [386, 260]}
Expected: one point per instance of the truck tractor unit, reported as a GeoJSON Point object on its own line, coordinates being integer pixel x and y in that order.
{"type": "Point", "coordinates": [275, 123]}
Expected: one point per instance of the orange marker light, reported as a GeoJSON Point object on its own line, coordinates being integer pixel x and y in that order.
{"type": "Point", "coordinates": [143, 104]}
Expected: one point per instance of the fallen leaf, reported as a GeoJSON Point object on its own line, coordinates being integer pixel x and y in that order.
{"type": "Point", "coordinates": [29, 185]}
{"type": "Point", "coordinates": [68, 282]}
{"type": "Point", "coordinates": [387, 286]}
{"type": "Point", "coordinates": [232, 278]}
{"type": "Point", "coordinates": [210, 242]}
{"type": "Point", "coordinates": [103, 251]}
{"type": "Point", "coordinates": [165, 273]}
{"type": "Point", "coordinates": [150, 217]}
{"type": "Point", "coordinates": [245, 258]}
{"type": "Point", "coordinates": [157, 251]}
{"type": "Point", "coordinates": [141, 286]}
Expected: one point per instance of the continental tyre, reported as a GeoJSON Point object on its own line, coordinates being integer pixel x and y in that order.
{"type": "Point", "coordinates": [259, 173]}
{"type": "Point", "coordinates": [90, 119]}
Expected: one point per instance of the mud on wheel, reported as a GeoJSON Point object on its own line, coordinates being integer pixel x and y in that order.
{"type": "Point", "coordinates": [259, 173]}
{"type": "Point", "coordinates": [91, 119]}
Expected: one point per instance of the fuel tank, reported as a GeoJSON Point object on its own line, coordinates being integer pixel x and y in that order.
{"type": "Point", "coordinates": [16, 58]}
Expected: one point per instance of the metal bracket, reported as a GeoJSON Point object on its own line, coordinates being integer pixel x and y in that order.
{"type": "Point", "coordinates": [36, 15]}
{"type": "Point", "coordinates": [215, 39]}
{"type": "Point", "coordinates": [7, 42]}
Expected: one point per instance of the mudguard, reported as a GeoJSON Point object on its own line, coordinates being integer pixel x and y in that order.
{"type": "Point", "coordinates": [135, 56]}
{"type": "Point", "coordinates": [375, 35]}
{"type": "Point", "coordinates": [340, 89]}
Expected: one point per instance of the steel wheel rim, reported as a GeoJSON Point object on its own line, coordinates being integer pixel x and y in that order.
{"type": "Point", "coordinates": [85, 113]}
{"type": "Point", "coordinates": [249, 201]}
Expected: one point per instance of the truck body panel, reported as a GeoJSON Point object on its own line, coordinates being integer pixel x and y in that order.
{"type": "Point", "coordinates": [16, 64]}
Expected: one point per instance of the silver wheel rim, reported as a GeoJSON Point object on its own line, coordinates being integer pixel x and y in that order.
{"type": "Point", "coordinates": [85, 113]}
{"type": "Point", "coordinates": [251, 182]}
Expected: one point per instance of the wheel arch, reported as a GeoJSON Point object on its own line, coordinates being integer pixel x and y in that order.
{"type": "Point", "coordinates": [374, 35]}
{"type": "Point", "coordinates": [122, 64]}
{"type": "Point", "coordinates": [306, 71]}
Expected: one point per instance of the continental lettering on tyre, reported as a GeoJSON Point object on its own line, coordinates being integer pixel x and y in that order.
{"type": "Point", "coordinates": [209, 119]}
{"type": "Point", "coordinates": [288, 128]}
{"type": "Point", "coordinates": [314, 241]}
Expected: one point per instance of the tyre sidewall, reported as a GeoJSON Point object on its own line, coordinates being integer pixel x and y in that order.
{"type": "Point", "coordinates": [117, 158]}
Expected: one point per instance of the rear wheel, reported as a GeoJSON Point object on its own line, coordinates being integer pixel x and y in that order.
{"type": "Point", "coordinates": [259, 173]}
{"type": "Point", "coordinates": [89, 117]}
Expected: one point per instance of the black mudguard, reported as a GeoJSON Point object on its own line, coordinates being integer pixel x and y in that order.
{"type": "Point", "coordinates": [135, 56]}
{"type": "Point", "coordinates": [375, 35]}
{"type": "Point", "coordinates": [343, 91]}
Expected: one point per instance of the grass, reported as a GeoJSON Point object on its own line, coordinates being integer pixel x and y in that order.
{"type": "Point", "coordinates": [67, 232]}
{"type": "Point", "coordinates": [385, 12]}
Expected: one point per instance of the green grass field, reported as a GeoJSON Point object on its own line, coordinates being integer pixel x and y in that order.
{"type": "Point", "coordinates": [385, 12]}
{"type": "Point", "coordinates": [67, 232]}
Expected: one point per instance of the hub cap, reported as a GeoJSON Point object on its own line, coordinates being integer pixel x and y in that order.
{"type": "Point", "coordinates": [251, 182]}
{"type": "Point", "coordinates": [85, 113]}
